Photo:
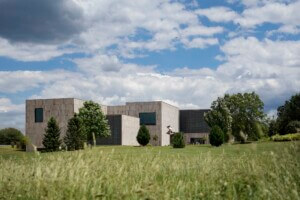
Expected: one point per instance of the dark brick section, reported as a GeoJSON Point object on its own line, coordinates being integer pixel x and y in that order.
{"type": "Point", "coordinates": [192, 121]}
{"type": "Point", "coordinates": [115, 123]}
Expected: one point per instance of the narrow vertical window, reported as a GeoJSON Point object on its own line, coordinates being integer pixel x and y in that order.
{"type": "Point", "coordinates": [38, 115]}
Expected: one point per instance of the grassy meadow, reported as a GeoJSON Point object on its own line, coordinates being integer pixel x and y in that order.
{"type": "Point", "coordinates": [265, 170]}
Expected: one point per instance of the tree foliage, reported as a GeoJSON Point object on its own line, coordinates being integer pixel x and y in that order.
{"type": "Point", "coordinates": [287, 113]}
{"type": "Point", "coordinates": [143, 136]}
{"type": "Point", "coordinates": [216, 136]}
{"type": "Point", "coordinates": [75, 136]}
{"type": "Point", "coordinates": [293, 127]}
{"type": "Point", "coordinates": [178, 140]}
{"type": "Point", "coordinates": [220, 115]}
{"type": "Point", "coordinates": [247, 113]}
{"type": "Point", "coordinates": [51, 140]}
{"type": "Point", "coordinates": [10, 135]}
{"type": "Point", "coordinates": [238, 114]}
{"type": "Point", "coordinates": [94, 121]}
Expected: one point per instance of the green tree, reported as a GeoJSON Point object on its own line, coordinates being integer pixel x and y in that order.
{"type": "Point", "coordinates": [178, 140]}
{"type": "Point", "coordinates": [273, 129]}
{"type": "Point", "coordinates": [216, 136]}
{"type": "Point", "coordinates": [287, 113]}
{"type": "Point", "coordinates": [247, 115]}
{"type": "Point", "coordinates": [75, 136]}
{"type": "Point", "coordinates": [51, 140]}
{"type": "Point", "coordinates": [143, 136]}
{"type": "Point", "coordinates": [94, 121]}
{"type": "Point", "coordinates": [293, 127]}
{"type": "Point", "coordinates": [10, 136]}
{"type": "Point", "coordinates": [238, 114]}
{"type": "Point", "coordinates": [220, 115]}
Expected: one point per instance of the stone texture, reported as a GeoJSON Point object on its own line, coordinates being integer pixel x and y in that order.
{"type": "Point", "coordinates": [130, 128]}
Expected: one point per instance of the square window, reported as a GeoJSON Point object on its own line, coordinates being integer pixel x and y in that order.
{"type": "Point", "coordinates": [38, 115]}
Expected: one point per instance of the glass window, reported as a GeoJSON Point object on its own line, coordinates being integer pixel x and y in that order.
{"type": "Point", "coordinates": [148, 118]}
{"type": "Point", "coordinates": [38, 115]}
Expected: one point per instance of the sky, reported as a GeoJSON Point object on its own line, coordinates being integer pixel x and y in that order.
{"type": "Point", "coordinates": [184, 52]}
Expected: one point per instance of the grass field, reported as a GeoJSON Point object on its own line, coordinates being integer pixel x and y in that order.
{"type": "Point", "coordinates": [251, 171]}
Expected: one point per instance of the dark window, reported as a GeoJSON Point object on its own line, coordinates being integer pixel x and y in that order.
{"type": "Point", "coordinates": [38, 115]}
{"type": "Point", "coordinates": [147, 118]}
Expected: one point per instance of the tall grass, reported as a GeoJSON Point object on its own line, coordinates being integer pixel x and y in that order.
{"type": "Point", "coordinates": [230, 172]}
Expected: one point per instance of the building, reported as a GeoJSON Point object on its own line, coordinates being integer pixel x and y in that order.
{"type": "Point", "coordinates": [194, 127]}
{"type": "Point", "coordinates": [124, 120]}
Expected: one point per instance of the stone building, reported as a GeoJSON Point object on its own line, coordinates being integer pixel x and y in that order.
{"type": "Point", "coordinates": [124, 120]}
{"type": "Point", "coordinates": [156, 115]}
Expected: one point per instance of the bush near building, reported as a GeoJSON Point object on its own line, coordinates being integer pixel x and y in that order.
{"type": "Point", "coordinates": [143, 136]}
{"type": "Point", "coordinates": [178, 140]}
{"type": "Point", "coordinates": [216, 136]}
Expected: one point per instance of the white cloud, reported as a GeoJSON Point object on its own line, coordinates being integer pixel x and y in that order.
{"type": "Point", "coordinates": [11, 115]}
{"type": "Point", "coordinates": [117, 22]}
{"type": "Point", "coordinates": [31, 52]}
{"type": "Point", "coordinates": [218, 14]}
{"type": "Point", "coordinates": [281, 13]}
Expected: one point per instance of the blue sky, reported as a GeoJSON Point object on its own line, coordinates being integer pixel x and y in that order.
{"type": "Point", "coordinates": [185, 52]}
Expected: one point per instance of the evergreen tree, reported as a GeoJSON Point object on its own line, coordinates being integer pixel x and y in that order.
{"type": "Point", "coordinates": [143, 136]}
{"type": "Point", "coordinates": [216, 136]}
{"type": "Point", "coordinates": [51, 140]}
{"type": "Point", "coordinates": [75, 136]}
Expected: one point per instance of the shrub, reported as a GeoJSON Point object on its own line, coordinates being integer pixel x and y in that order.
{"type": "Point", "coordinates": [293, 127]}
{"type": "Point", "coordinates": [143, 136]}
{"type": "Point", "coordinates": [216, 136]}
{"type": "Point", "coordinates": [288, 137]}
{"type": "Point", "coordinates": [51, 140]}
{"type": "Point", "coordinates": [178, 140]}
{"type": "Point", "coordinates": [75, 137]}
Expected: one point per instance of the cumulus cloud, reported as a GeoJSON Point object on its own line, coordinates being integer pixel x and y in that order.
{"type": "Point", "coordinates": [48, 29]}
{"type": "Point", "coordinates": [218, 14]}
{"type": "Point", "coordinates": [38, 21]}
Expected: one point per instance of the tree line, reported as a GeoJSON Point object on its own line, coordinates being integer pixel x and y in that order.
{"type": "Point", "coordinates": [240, 117]}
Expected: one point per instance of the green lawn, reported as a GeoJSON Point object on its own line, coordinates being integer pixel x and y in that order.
{"type": "Point", "coordinates": [251, 171]}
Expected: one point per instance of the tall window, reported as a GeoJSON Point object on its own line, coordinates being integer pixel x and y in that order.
{"type": "Point", "coordinates": [147, 118]}
{"type": "Point", "coordinates": [38, 115]}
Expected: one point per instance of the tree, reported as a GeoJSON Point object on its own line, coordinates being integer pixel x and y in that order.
{"type": "Point", "coordinates": [220, 115]}
{"type": "Point", "coordinates": [94, 122]}
{"type": "Point", "coordinates": [290, 111]}
{"type": "Point", "coordinates": [238, 114]}
{"type": "Point", "coordinates": [10, 136]}
{"type": "Point", "coordinates": [178, 140]}
{"type": "Point", "coordinates": [143, 136]}
{"type": "Point", "coordinates": [216, 136]}
{"type": "Point", "coordinates": [51, 140]}
{"type": "Point", "coordinates": [75, 136]}
{"type": "Point", "coordinates": [247, 114]}
{"type": "Point", "coordinates": [293, 127]}
{"type": "Point", "coordinates": [273, 129]}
